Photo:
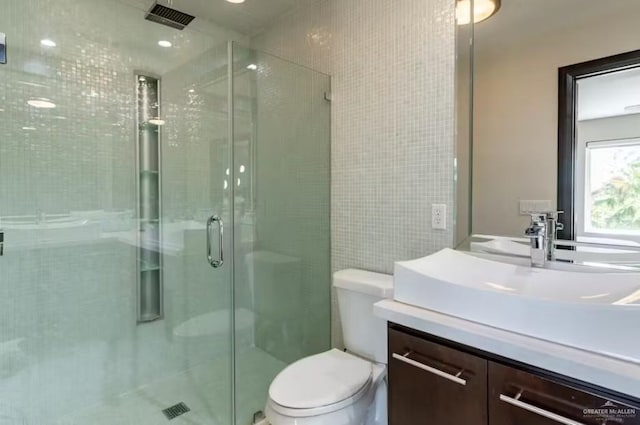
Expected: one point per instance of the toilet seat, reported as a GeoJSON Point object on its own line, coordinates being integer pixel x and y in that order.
{"type": "Point", "coordinates": [321, 384]}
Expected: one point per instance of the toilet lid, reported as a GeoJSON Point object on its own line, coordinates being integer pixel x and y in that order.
{"type": "Point", "coordinates": [320, 380]}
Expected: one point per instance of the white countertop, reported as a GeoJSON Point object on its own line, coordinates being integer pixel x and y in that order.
{"type": "Point", "coordinates": [608, 372]}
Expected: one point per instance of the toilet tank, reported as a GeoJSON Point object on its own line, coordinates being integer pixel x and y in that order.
{"type": "Point", "coordinates": [357, 291]}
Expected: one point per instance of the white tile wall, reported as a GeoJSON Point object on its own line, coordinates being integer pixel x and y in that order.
{"type": "Point", "coordinates": [393, 67]}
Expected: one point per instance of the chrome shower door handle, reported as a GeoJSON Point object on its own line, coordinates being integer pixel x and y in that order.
{"type": "Point", "coordinates": [215, 262]}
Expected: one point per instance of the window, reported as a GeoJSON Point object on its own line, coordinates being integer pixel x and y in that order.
{"type": "Point", "coordinates": [599, 150]}
{"type": "Point", "coordinates": [612, 189]}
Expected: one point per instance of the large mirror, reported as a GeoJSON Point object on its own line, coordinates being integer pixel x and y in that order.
{"type": "Point", "coordinates": [556, 127]}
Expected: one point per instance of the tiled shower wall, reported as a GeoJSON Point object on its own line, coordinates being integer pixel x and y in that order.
{"type": "Point", "coordinates": [393, 121]}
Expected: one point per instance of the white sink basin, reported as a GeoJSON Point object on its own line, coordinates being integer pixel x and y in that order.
{"type": "Point", "coordinates": [592, 311]}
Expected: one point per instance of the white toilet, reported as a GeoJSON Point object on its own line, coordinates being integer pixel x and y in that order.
{"type": "Point", "coordinates": [336, 387]}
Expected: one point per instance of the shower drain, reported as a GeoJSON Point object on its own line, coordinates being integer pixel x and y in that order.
{"type": "Point", "coordinates": [176, 410]}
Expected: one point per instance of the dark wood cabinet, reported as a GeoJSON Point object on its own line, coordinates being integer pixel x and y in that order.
{"type": "Point", "coordinates": [517, 397]}
{"type": "Point", "coordinates": [435, 382]}
{"type": "Point", "coordinates": [434, 385]}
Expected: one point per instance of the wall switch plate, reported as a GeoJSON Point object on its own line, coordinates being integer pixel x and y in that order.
{"type": "Point", "coordinates": [439, 216]}
{"type": "Point", "coordinates": [540, 206]}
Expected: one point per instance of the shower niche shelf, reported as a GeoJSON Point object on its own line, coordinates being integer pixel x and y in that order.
{"type": "Point", "coordinates": [148, 152]}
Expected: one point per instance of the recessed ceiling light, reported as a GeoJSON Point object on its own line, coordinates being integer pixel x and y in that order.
{"type": "Point", "coordinates": [41, 103]}
{"type": "Point", "coordinates": [28, 128]}
{"type": "Point", "coordinates": [164, 43]}
{"type": "Point", "coordinates": [47, 42]}
{"type": "Point", "coordinates": [192, 90]}
{"type": "Point", "coordinates": [235, 1]}
{"type": "Point", "coordinates": [252, 66]}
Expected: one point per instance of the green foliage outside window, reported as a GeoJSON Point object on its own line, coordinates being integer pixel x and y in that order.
{"type": "Point", "coordinates": [616, 205]}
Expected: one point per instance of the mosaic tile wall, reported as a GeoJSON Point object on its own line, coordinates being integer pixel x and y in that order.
{"type": "Point", "coordinates": [393, 68]}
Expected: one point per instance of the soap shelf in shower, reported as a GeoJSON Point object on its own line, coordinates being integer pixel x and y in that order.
{"type": "Point", "coordinates": [150, 279]}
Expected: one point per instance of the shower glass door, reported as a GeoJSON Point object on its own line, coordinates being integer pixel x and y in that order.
{"type": "Point", "coordinates": [114, 157]}
{"type": "Point", "coordinates": [281, 176]}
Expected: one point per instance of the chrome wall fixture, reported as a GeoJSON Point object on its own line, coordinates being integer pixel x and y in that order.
{"type": "Point", "coordinates": [148, 153]}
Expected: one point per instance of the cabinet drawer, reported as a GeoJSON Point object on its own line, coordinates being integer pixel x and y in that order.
{"type": "Point", "coordinates": [433, 384]}
{"type": "Point", "coordinates": [520, 398]}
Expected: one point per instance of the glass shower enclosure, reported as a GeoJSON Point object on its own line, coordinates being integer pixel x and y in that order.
{"type": "Point", "coordinates": [164, 218]}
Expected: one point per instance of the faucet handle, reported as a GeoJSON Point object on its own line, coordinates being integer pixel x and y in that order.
{"type": "Point", "coordinates": [546, 217]}
{"type": "Point", "coordinates": [538, 217]}
{"type": "Point", "coordinates": [537, 226]}
{"type": "Point", "coordinates": [554, 214]}
{"type": "Point", "coordinates": [533, 231]}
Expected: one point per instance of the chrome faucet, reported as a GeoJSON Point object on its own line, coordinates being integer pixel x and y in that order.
{"type": "Point", "coordinates": [537, 234]}
{"type": "Point", "coordinates": [553, 227]}
{"type": "Point", "coordinates": [542, 232]}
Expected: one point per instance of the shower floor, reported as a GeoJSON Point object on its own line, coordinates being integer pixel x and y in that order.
{"type": "Point", "coordinates": [204, 389]}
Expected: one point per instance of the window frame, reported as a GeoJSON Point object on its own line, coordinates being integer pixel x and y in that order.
{"type": "Point", "coordinates": [568, 77]}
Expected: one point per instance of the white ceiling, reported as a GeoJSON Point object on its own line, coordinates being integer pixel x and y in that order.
{"type": "Point", "coordinates": [608, 95]}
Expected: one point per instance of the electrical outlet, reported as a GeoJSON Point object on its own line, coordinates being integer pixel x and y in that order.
{"type": "Point", "coordinates": [528, 207]}
{"type": "Point", "coordinates": [439, 216]}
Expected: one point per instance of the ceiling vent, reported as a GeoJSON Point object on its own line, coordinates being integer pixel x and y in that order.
{"type": "Point", "coordinates": [167, 16]}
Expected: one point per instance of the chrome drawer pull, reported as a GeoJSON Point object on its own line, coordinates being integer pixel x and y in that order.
{"type": "Point", "coordinates": [537, 410]}
{"type": "Point", "coordinates": [454, 378]}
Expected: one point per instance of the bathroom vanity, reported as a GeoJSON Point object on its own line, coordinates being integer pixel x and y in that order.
{"type": "Point", "coordinates": [437, 381]}
{"type": "Point", "coordinates": [484, 340]}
